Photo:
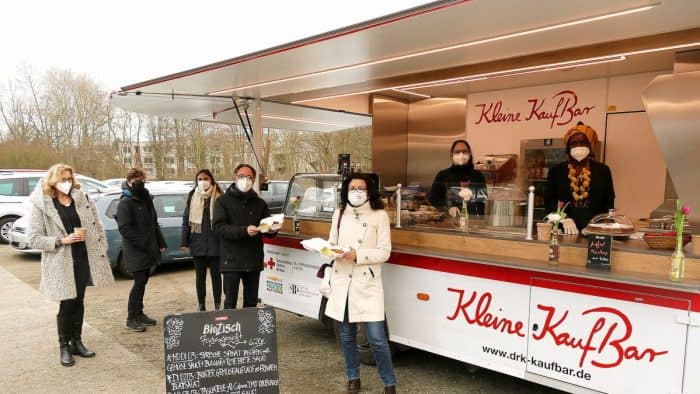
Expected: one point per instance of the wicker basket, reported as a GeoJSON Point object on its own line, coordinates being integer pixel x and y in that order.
{"type": "Point", "coordinates": [664, 241]}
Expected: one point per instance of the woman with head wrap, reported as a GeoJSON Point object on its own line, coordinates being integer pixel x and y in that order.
{"type": "Point", "coordinates": [581, 181]}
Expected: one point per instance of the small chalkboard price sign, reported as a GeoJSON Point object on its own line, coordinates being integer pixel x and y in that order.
{"type": "Point", "coordinates": [228, 351]}
{"type": "Point", "coordinates": [599, 251]}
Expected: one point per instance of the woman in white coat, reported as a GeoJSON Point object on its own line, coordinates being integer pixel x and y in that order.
{"type": "Point", "coordinates": [357, 295]}
{"type": "Point", "coordinates": [64, 225]}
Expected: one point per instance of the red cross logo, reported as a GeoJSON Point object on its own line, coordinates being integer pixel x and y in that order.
{"type": "Point", "coordinates": [271, 263]}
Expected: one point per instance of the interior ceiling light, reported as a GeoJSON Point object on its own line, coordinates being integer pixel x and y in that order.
{"type": "Point", "coordinates": [524, 70]}
{"type": "Point", "coordinates": [519, 71]}
{"type": "Point", "coordinates": [412, 93]}
{"type": "Point", "coordinates": [448, 48]}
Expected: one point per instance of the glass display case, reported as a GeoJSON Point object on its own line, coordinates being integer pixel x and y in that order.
{"type": "Point", "coordinates": [316, 196]}
{"type": "Point", "coordinates": [313, 196]}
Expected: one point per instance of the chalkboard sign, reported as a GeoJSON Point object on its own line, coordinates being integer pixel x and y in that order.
{"type": "Point", "coordinates": [599, 251]}
{"type": "Point", "coordinates": [228, 351]}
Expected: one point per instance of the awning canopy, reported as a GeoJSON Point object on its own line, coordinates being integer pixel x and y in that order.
{"type": "Point", "coordinates": [426, 40]}
{"type": "Point", "coordinates": [222, 110]}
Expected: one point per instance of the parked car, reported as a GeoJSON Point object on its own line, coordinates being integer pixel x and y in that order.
{"type": "Point", "coordinates": [169, 201]}
{"type": "Point", "coordinates": [275, 195]}
{"type": "Point", "coordinates": [15, 187]}
{"type": "Point", "coordinates": [18, 236]}
{"type": "Point", "coordinates": [113, 182]}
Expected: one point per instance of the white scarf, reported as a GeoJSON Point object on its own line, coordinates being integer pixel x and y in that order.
{"type": "Point", "coordinates": [199, 198]}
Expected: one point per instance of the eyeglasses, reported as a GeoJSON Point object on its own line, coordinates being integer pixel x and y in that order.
{"type": "Point", "coordinates": [362, 189]}
{"type": "Point", "coordinates": [242, 176]}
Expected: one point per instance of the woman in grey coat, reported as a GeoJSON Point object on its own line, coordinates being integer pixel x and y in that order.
{"type": "Point", "coordinates": [64, 225]}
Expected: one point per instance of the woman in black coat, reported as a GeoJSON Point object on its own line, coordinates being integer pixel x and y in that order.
{"type": "Point", "coordinates": [142, 242]}
{"type": "Point", "coordinates": [198, 236]}
{"type": "Point", "coordinates": [450, 182]}
{"type": "Point", "coordinates": [582, 182]}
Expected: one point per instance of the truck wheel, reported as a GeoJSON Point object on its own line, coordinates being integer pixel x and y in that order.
{"type": "Point", "coordinates": [5, 227]}
{"type": "Point", "coordinates": [364, 349]}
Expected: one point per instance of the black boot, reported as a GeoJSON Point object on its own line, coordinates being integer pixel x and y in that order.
{"type": "Point", "coordinates": [64, 333]}
{"type": "Point", "coordinates": [76, 344]}
{"type": "Point", "coordinates": [143, 318]}
{"type": "Point", "coordinates": [202, 308]}
{"type": "Point", "coordinates": [217, 306]}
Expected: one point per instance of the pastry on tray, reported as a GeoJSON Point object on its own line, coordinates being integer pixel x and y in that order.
{"type": "Point", "coordinates": [610, 228]}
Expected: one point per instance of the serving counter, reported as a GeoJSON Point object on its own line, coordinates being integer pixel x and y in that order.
{"type": "Point", "coordinates": [632, 262]}
{"type": "Point", "coordinates": [494, 301]}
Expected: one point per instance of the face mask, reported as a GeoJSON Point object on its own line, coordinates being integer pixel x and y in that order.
{"type": "Point", "coordinates": [64, 187]}
{"type": "Point", "coordinates": [138, 187]}
{"type": "Point", "coordinates": [460, 158]}
{"type": "Point", "coordinates": [244, 184]}
{"type": "Point", "coordinates": [357, 197]}
{"type": "Point", "coordinates": [203, 185]}
{"type": "Point", "coordinates": [579, 153]}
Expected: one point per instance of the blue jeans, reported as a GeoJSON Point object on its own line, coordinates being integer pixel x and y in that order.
{"type": "Point", "coordinates": [380, 347]}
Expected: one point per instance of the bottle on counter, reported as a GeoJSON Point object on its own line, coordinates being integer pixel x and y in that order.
{"type": "Point", "coordinates": [553, 251]}
{"type": "Point", "coordinates": [464, 217]}
{"type": "Point", "coordinates": [296, 223]}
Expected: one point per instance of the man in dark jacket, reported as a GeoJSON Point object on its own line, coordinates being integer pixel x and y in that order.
{"type": "Point", "coordinates": [142, 242]}
{"type": "Point", "coordinates": [237, 215]}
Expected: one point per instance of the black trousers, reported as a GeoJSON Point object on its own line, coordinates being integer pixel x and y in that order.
{"type": "Point", "coordinates": [70, 312]}
{"type": "Point", "coordinates": [68, 309]}
{"type": "Point", "coordinates": [138, 290]}
{"type": "Point", "coordinates": [200, 265]}
{"type": "Point", "coordinates": [251, 282]}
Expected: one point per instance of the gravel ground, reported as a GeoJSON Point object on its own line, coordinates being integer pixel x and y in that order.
{"type": "Point", "coordinates": [309, 357]}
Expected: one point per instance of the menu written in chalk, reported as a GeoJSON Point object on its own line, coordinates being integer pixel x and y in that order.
{"type": "Point", "coordinates": [228, 351]}
{"type": "Point", "coordinates": [599, 251]}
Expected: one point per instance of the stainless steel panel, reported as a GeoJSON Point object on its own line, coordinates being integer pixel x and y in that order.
{"type": "Point", "coordinates": [389, 139]}
{"type": "Point", "coordinates": [433, 125]}
{"type": "Point", "coordinates": [687, 61]}
{"type": "Point", "coordinates": [673, 105]}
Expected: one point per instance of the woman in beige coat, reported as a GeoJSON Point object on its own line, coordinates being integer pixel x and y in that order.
{"type": "Point", "coordinates": [357, 295]}
{"type": "Point", "coordinates": [64, 225]}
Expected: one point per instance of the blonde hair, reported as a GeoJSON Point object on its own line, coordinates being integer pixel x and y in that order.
{"type": "Point", "coordinates": [53, 176]}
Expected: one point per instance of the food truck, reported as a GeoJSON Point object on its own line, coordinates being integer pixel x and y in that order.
{"type": "Point", "coordinates": [510, 77]}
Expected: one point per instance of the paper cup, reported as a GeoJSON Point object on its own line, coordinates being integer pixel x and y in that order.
{"type": "Point", "coordinates": [544, 231]}
{"type": "Point", "coordinates": [696, 244]}
{"type": "Point", "coordinates": [79, 231]}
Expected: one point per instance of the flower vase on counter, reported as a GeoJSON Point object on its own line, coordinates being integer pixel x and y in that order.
{"type": "Point", "coordinates": [677, 257]}
{"type": "Point", "coordinates": [555, 218]}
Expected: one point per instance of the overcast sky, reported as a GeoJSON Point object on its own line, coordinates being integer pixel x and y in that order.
{"type": "Point", "coordinates": [128, 41]}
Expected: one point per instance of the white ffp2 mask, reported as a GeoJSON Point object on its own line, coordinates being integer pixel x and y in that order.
{"type": "Point", "coordinates": [64, 187]}
{"type": "Point", "coordinates": [357, 197]}
{"type": "Point", "coordinates": [460, 158]}
{"type": "Point", "coordinates": [244, 184]}
{"type": "Point", "coordinates": [580, 152]}
{"type": "Point", "coordinates": [203, 185]}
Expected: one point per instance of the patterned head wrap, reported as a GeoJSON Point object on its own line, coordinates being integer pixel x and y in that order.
{"type": "Point", "coordinates": [587, 131]}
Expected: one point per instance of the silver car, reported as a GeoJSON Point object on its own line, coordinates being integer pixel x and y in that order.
{"type": "Point", "coordinates": [18, 236]}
